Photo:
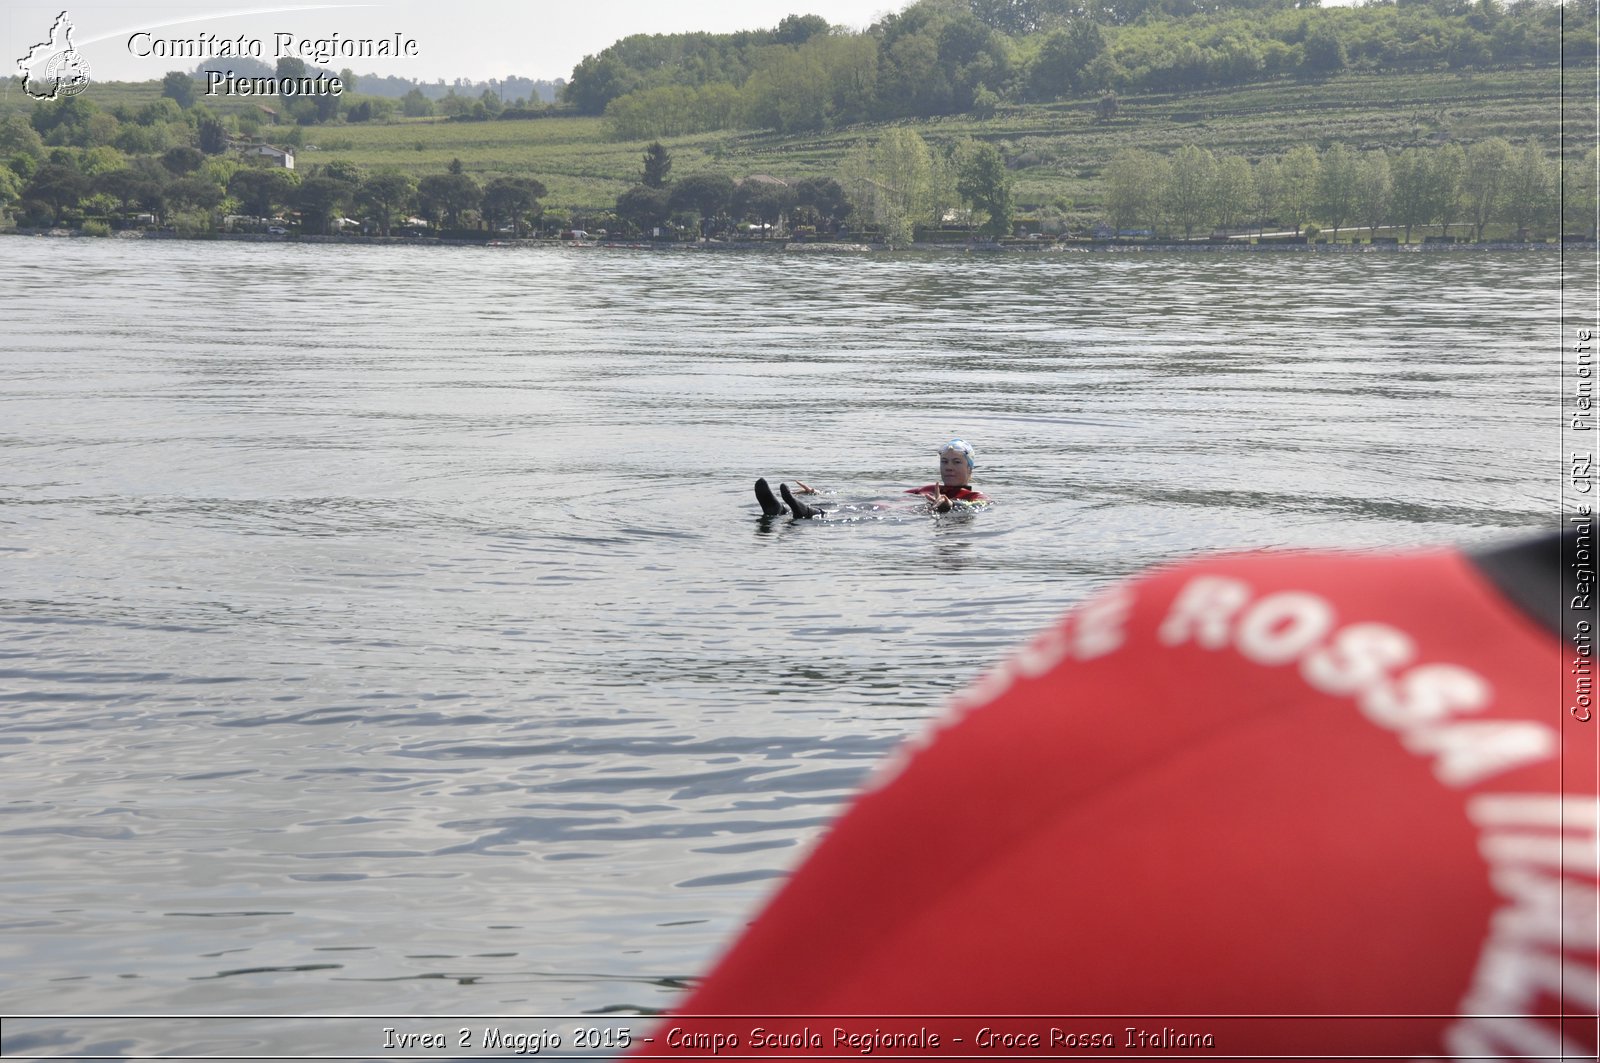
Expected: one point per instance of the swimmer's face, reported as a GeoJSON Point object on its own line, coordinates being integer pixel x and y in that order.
{"type": "Point", "coordinates": [953, 468]}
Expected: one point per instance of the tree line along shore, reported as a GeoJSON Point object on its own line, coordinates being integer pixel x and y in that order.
{"type": "Point", "coordinates": [1470, 149]}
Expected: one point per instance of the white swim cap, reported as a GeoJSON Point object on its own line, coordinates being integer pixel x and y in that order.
{"type": "Point", "coordinates": [961, 447]}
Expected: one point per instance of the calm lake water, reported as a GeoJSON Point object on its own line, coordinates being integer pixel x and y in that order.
{"type": "Point", "coordinates": [390, 631]}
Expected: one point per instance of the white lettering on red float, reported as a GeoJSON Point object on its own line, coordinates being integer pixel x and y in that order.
{"type": "Point", "coordinates": [1423, 703]}
{"type": "Point", "coordinates": [1542, 850]}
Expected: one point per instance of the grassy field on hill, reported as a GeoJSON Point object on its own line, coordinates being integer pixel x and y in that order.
{"type": "Point", "coordinates": [1056, 151]}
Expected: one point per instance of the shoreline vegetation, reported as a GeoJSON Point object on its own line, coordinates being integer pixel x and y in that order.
{"type": "Point", "coordinates": [1062, 123]}
{"type": "Point", "coordinates": [1229, 245]}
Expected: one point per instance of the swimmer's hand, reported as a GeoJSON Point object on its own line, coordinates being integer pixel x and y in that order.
{"type": "Point", "coordinates": [940, 503]}
{"type": "Point", "coordinates": [805, 488]}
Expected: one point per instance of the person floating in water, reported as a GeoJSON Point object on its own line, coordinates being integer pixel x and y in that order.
{"type": "Point", "coordinates": [956, 462]}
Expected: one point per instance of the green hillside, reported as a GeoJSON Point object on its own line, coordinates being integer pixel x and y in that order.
{"type": "Point", "coordinates": [1056, 151]}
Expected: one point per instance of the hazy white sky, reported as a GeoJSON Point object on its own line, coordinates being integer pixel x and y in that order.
{"type": "Point", "coordinates": [476, 39]}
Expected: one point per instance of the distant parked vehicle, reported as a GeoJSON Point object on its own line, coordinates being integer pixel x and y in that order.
{"type": "Point", "coordinates": [277, 230]}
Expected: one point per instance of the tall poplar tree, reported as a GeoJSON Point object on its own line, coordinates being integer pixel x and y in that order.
{"type": "Point", "coordinates": [1486, 181]}
{"type": "Point", "coordinates": [1336, 186]}
{"type": "Point", "coordinates": [1447, 170]}
{"type": "Point", "coordinates": [1532, 186]}
{"type": "Point", "coordinates": [890, 180]}
{"type": "Point", "coordinates": [1297, 196]}
{"type": "Point", "coordinates": [1189, 197]}
{"type": "Point", "coordinates": [1374, 190]}
{"type": "Point", "coordinates": [1130, 192]}
{"type": "Point", "coordinates": [1235, 190]}
{"type": "Point", "coordinates": [1410, 170]}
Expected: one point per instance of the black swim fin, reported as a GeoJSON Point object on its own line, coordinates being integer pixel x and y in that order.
{"type": "Point", "coordinates": [770, 506]}
{"type": "Point", "coordinates": [798, 508]}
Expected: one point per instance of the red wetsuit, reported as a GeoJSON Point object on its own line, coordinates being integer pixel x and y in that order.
{"type": "Point", "coordinates": [955, 494]}
{"type": "Point", "coordinates": [1240, 797]}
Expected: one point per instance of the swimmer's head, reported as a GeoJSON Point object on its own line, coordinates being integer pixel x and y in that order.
{"type": "Point", "coordinates": [955, 462]}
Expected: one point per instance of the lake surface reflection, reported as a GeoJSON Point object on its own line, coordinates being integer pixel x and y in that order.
{"type": "Point", "coordinates": [390, 631]}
